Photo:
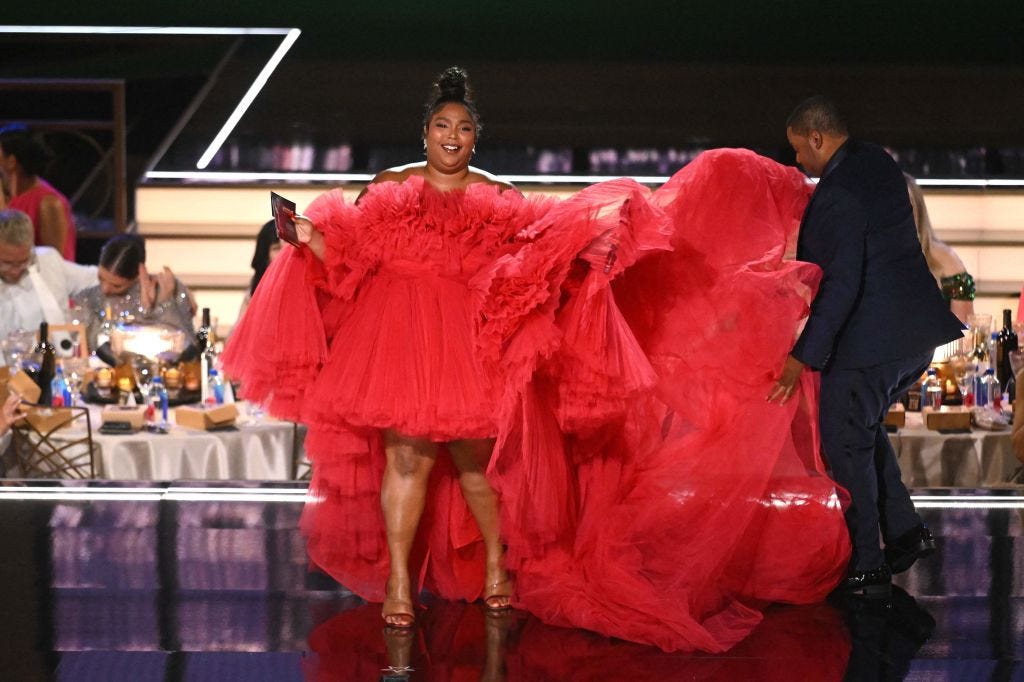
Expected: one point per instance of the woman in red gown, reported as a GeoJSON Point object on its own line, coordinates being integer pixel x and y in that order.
{"type": "Point", "coordinates": [569, 392]}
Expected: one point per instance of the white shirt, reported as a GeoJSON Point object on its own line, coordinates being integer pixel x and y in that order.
{"type": "Point", "coordinates": [20, 306]}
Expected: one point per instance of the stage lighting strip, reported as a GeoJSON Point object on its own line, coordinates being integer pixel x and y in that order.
{"type": "Point", "coordinates": [140, 494]}
{"type": "Point", "coordinates": [241, 176]}
{"type": "Point", "coordinates": [296, 495]}
{"type": "Point", "coordinates": [968, 501]}
{"type": "Point", "coordinates": [290, 35]}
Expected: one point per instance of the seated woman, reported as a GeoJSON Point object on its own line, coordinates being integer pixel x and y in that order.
{"type": "Point", "coordinates": [22, 159]}
{"type": "Point", "coordinates": [127, 288]}
{"type": "Point", "coordinates": [946, 267]}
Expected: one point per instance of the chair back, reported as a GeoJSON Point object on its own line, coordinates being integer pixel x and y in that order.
{"type": "Point", "coordinates": [54, 443]}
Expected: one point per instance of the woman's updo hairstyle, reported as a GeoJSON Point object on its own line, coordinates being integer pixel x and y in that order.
{"type": "Point", "coordinates": [123, 254]}
{"type": "Point", "coordinates": [452, 86]}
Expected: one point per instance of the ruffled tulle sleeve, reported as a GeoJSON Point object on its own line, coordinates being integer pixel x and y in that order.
{"type": "Point", "coordinates": [520, 292]}
{"type": "Point", "coordinates": [277, 347]}
{"type": "Point", "coordinates": [345, 263]}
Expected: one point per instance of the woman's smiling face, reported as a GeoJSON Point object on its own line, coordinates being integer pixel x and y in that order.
{"type": "Point", "coordinates": [449, 138]}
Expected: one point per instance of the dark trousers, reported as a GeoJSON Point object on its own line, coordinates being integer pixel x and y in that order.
{"type": "Point", "coordinates": [854, 403]}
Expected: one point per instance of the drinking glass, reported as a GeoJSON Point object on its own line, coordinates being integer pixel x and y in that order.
{"type": "Point", "coordinates": [959, 359]}
{"type": "Point", "coordinates": [144, 370]}
{"type": "Point", "coordinates": [979, 328]}
{"type": "Point", "coordinates": [255, 411]}
{"type": "Point", "coordinates": [74, 374]}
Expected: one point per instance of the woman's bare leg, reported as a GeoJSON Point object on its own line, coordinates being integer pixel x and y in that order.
{"type": "Point", "coordinates": [403, 493]}
{"type": "Point", "coordinates": [470, 458]}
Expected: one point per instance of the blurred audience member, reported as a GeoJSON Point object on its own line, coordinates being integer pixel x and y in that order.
{"type": "Point", "coordinates": [128, 289]}
{"type": "Point", "coordinates": [946, 267]}
{"type": "Point", "coordinates": [22, 159]}
{"type": "Point", "coordinates": [267, 248]}
{"type": "Point", "coordinates": [35, 282]}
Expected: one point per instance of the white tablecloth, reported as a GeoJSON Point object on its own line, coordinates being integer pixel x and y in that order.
{"type": "Point", "coordinates": [259, 450]}
{"type": "Point", "coordinates": [930, 459]}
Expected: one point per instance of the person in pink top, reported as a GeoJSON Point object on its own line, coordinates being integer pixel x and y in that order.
{"type": "Point", "coordinates": [22, 159]}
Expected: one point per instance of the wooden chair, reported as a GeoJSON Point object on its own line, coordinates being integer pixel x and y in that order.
{"type": "Point", "coordinates": [54, 443]}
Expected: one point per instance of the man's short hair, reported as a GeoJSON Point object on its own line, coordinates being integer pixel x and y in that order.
{"type": "Point", "coordinates": [817, 113]}
{"type": "Point", "coordinates": [16, 228]}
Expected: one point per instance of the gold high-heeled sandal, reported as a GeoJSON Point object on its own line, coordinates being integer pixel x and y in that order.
{"type": "Point", "coordinates": [504, 602]}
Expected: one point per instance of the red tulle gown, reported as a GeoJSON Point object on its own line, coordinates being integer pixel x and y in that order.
{"type": "Point", "coordinates": [648, 491]}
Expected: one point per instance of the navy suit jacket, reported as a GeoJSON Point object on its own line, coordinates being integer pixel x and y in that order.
{"type": "Point", "coordinates": [877, 301]}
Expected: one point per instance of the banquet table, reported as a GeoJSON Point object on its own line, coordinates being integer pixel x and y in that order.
{"type": "Point", "coordinates": [260, 448]}
{"type": "Point", "coordinates": [929, 459]}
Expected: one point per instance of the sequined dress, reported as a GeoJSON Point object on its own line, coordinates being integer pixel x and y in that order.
{"type": "Point", "coordinates": [175, 312]}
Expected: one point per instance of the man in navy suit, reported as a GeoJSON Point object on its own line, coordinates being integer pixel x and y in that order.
{"type": "Point", "coordinates": [871, 332]}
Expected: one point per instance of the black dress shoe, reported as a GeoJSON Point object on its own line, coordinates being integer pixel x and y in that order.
{"type": "Point", "coordinates": [915, 544]}
{"type": "Point", "coordinates": [873, 584]}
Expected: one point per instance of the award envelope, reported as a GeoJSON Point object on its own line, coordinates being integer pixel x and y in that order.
{"type": "Point", "coordinates": [283, 211]}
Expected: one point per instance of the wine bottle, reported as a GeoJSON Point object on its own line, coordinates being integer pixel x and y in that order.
{"type": "Point", "coordinates": [203, 340]}
{"type": "Point", "coordinates": [47, 364]}
{"type": "Point", "coordinates": [1008, 342]}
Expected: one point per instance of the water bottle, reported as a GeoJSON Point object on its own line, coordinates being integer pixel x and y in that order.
{"type": "Point", "coordinates": [980, 386]}
{"type": "Point", "coordinates": [59, 389]}
{"type": "Point", "coordinates": [931, 390]}
{"type": "Point", "coordinates": [995, 396]}
{"type": "Point", "coordinates": [215, 395]}
{"type": "Point", "coordinates": [160, 393]}
{"type": "Point", "coordinates": [984, 396]}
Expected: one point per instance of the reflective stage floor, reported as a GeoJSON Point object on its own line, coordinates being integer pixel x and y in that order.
{"type": "Point", "coordinates": [201, 583]}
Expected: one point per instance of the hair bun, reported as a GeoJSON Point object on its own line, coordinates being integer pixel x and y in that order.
{"type": "Point", "coordinates": [453, 83]}
{"type": "Point", "coordinates": [452, 86]}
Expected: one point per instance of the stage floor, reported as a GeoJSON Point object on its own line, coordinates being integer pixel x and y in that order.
{"type": "Point", "coordinates": [113, 582]}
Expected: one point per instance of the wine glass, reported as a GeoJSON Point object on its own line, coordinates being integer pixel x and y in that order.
{"type": "Point", "coordinates": [74, 373]}
{"type": "Point", "coordinates": [144, 370]}
{"type": "Point", "coordinates": [959, 360]}
{"type": "Point", "coordinates": [255, 411]}
{"type": "Point", "coordinates": [979, 325]}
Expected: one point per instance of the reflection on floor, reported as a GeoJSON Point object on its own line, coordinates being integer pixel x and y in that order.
{"type": "Point", "coordinates": [108, 583]}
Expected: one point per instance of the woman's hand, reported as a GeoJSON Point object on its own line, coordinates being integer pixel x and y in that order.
{"type": "Point", "coordinates": [156, 289]}
{"type": "Point", "coordinates": [9, 413]}
{"type": "Point", "coordinates": [307, 233]}
{"type": "Point", "coordinates": [304, 228]}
